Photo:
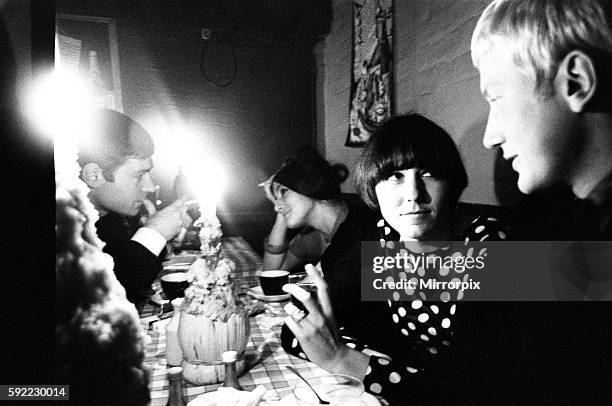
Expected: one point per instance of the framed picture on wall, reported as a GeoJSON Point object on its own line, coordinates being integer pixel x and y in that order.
{"type": "Point", "coordinates": [89, 45]}
{"type": "Point", "coordinates": [371, 76]}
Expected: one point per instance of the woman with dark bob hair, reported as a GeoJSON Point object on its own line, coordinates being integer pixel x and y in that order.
{"type": "Point", "coordinates": [411, 172]}
{"type": "Point", "coordinates": [412, 146]}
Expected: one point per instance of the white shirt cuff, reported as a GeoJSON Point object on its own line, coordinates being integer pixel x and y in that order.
{"type": "Point", "coordinates": [150, 239]}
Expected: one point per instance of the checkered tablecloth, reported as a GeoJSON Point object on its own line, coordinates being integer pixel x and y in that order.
{"type": "Point", "coordinates": [266, 359]}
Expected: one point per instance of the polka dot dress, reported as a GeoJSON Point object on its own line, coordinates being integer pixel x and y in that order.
{"type": "Point", "coordinates": [424, 328]}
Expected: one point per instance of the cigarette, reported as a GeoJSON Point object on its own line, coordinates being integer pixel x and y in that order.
{"type": "Point", "coordinates": [190, 202]}
{"type": "Point", "coordinates": [181, 234]}
{"type": "Point", "coordinates": [262, 184]}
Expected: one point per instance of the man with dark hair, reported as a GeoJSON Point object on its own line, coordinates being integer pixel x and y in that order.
{"type": "Point", "coordinates": [115, 160]}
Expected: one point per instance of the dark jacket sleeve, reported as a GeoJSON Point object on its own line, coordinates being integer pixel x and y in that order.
{"type": "Point", "coordinates": [135, 266]}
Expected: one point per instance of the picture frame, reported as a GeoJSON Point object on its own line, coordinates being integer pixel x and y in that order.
{"type": "Point", "coordinates": [89, 44]}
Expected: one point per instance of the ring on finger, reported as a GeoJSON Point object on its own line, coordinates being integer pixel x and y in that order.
{"type": "Point", "coordinates": [298, 315]}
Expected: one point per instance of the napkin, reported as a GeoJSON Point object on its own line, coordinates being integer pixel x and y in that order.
{"type": "Point", "coordinates": [230, 397]}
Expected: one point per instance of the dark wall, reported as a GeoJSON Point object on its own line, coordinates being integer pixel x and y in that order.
{"type": "Point", "coordinates": [249, 125]}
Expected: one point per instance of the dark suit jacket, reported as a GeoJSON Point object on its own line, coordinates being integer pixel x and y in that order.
{"type": "Point", "coordinates": [135, 266]}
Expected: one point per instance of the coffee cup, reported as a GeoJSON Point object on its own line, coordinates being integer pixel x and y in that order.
{"type": "Point", "coordinates": [174, 284]}
{"type": "Point", "coordinates": [272, 282]}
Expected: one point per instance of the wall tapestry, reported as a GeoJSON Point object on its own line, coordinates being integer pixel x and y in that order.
{"type": "Point", "coordinates": [371, 76]}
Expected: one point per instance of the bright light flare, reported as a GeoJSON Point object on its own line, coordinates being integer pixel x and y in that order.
{"type": "Point", "coordinates": [177, 143]}
{"type": "Point", "coordinates": [207, 180]}
{"type": "Point", "coordinates": [59, 104]}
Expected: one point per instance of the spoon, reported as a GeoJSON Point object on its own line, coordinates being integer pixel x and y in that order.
{"type": "Point", "coordinates": [321, 401]}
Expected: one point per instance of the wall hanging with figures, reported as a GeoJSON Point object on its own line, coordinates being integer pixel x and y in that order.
{"type": "Point", "coordinates": [372, 74]}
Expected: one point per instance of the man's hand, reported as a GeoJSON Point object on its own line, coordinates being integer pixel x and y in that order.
{"type": "Point", "coordinates": [169, 221]}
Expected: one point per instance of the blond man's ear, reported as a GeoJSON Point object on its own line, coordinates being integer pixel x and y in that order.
{"type": "Point", "coordinates": [92, 175]}
{"type": "Point", "coordinates": [577, 80]}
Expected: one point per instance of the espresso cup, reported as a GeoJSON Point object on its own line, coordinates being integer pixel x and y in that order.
{"type": "Point", "coordinates": [272, 282]}
{"type": "Point", "coordinates": [174, 284]}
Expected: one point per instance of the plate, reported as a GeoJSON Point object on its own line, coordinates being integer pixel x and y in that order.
{"type": "Point", "coordinates": [366, 400]}
{"type": "Point", "coordinates": [184, 260]}
{"type": "Point", "coordinates": [211, 399]}
{"type": "Point", "coordinates": [257, 293]}
{"type": "Point", "coordinates": [178, 267]}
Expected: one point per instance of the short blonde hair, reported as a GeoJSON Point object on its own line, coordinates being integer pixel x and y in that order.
{"type": "Point", "coordinates": [540, 33]}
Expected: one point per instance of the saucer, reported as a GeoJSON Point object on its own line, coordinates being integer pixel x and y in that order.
{"type": "Point", "coordinates": [366, 400]}
{"type": "Point", "coordinates": [177, 267]}
{"type": "Point", "coordinates": [257, 293]}
{"type": "Point", "coordinates": [180, 260]}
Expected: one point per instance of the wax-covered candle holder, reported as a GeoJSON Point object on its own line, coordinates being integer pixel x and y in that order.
{"type": "Point", "coordinates": [210, 235]}
{"type": "Point", "coordinates": [213, 320]}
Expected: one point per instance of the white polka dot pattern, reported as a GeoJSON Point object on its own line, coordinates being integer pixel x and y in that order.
{"type": "Point", "coordinates": [394, 377]}
{"type": "Point", "coordinates": [375, 388]}
{"type": "Point", "coordinates": [444, 271]}
{"type": "Point", "coordinates": [426, 325]}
